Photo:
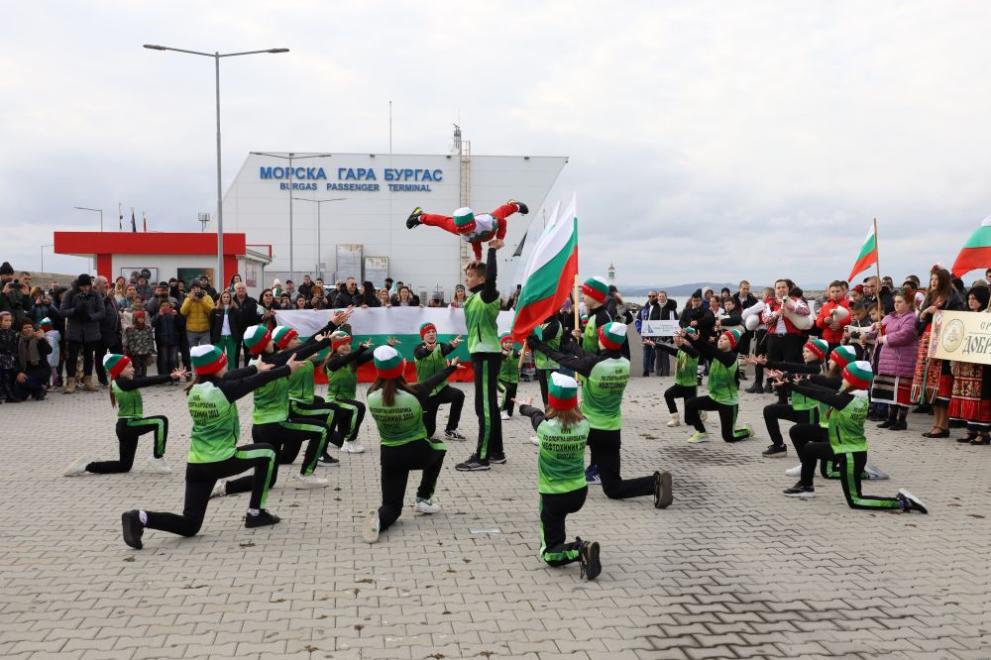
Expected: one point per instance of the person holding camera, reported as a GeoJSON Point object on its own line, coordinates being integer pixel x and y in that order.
{"type": "Point", "coordinates": [196, 310]}
{"type": "Point", "coordinates": [83, 310]}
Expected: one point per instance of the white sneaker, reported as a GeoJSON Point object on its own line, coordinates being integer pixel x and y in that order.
{"type": "Point", "coordinates": [874, 474]}
{"type": "Point", "coordinates": [219, 489]}
{"type": "Point", "coordinates": [302, 481]}
{"type": "Point", "coordinates": [426, 506]}
{"type": "Point", "coordinates": [675, 420]}
{"type": "Point", "coordinates": [535, 440]}
{"type": "Point", "coordinates": [370, 531]}
{"type": "Point", "coordinates": [352, 448]}
{"type": "Point", "coordinates": [504, 415]}
{"type": "Point", "coordinates": [159, 466]}
{"type": "Point", "coordinates": [76, 468]}
{"type": "Point", "coordinates": [794, 471]}
{"type": "Point", "coordinates": [697, 437]}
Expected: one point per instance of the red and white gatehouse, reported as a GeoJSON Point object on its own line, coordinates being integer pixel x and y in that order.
{"type": "Point", "coordinates": [168, 254]}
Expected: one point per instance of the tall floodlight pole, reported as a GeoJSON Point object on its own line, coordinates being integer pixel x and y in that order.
{"type": "Point", "coordinates": [290, 156]}
{"type": "Point", "coordinates": [319, 203]}
{"type": "Point", "coordinates": [219, 275]}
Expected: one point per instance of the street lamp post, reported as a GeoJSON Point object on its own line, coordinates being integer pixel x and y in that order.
{"type": "Point", "coordinates": [43, 255]}
{"type": "Point", "coordinates": [219, 275]}
{"type": "Point", "coordinates": [290, 156]}
{"type": "Point", "coordinates": [319, 203]}
{"type": "Point", "coordinates": [86, 208]}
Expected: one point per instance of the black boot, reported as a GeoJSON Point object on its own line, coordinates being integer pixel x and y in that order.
{"type": "Point", "coordinates": [414, 218]}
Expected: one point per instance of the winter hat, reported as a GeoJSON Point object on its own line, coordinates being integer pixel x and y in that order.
{"type": "Point", "coordinates": [464, 220]}
{"type": "Point", "coordinates": [427, 327]}
{"type": "Point", "coordinates": [819, 347]}
{"type": "Point", "coordinates": [691, 330]}
{"type": "Point", "coordinates": [339, 338]}
{"type": "Point", "coordinates": [858, 375]}
{"type": "Point", "coordinates": [697, 293]}
{"type": "Point", "coordinates": [115, 363]}
{"type": "Point", "coordinates": [612, 335]}
{"type": "Point", "coordinates": [46, 324]}
{"type": "Point", "coordinates": [256, 338]}
{"type": "Point", "coordinates": [859, 289]}
{"type": "Point", "coordinates": [282, 335]}
{"type": "Point", "coordinates": [84, 280]}
{"type": "Point", "coordinates": [733, 336]}
{"type": "Point", "coordinates": [388, 363]}
{"type": "Point", "coordinates": [843, 355]}
{"type": "Point", "coordinates": [506, 338]}
{"type": "Point", "coordinates": [596, 288]}
{"type": "Point", "coordinates": [207, 359]}
{"type": "Point", "coordinates": [562, 392]}
{"type": "Point", "coordinates": [982, 293]}
{"type": "Point", "coordinates": [138, 314]}
{"type": "Point", "coordinates": [6, 268]}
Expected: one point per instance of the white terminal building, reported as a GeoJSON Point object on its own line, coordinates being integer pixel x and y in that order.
{"type": "Point", "coordinates": [362, 232]}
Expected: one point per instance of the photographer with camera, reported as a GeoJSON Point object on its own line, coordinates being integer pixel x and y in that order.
{"type": "Point", "coordinates": [196, 310]}
{"type": "Point", "coordinates": [83, 311]}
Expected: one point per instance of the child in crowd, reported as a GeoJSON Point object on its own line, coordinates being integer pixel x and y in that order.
{"type": "Point", "coordinates": [139, 343]}
{"type": "Point", "coordinates": [166, 326]}
{"type": "Point", "coordinates": [8, 357]}
{"type": "Point", "coordinates": [54, 337]}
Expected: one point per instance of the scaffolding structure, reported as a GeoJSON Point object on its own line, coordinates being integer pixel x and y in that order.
{"type": "Point", "coordinates": [463, 149]}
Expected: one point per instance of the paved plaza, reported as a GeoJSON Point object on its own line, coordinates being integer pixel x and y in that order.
{"type": "Point", "coordinates": [733, 569]}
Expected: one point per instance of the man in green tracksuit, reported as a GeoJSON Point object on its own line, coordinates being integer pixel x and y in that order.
{"type": "Point", "coordinates": [560, 475]}
{"type": "Point", "coordinates": [481, 316]}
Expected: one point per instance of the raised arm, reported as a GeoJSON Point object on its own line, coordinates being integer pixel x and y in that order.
{"type": "Point", "coordinates": [489, 291]}
{"type": "Point", "coordinates": [726, 358]}
{"type": "Point", "coordinates": [235, 388]}
{"type": "Point", "coordinates": [137, 382]}
{"type": "Point", "coordinates": [536, 415]}
{"type": "Point", "coordinates": [833, 398]}
{"type": "Point", "coordinates": [580, 362]}
{"type": "Point", "coordinates": [423, 390]}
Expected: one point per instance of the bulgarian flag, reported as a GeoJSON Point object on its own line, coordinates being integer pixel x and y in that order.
{"type": "Point", "coordinates": [976, 252]}
{"type": "Point", "coordinates": [549, 275]}
{"type": "Point", "coordinates": [867, 256]}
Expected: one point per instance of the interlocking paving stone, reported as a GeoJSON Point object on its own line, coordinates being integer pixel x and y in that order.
{"type": "Point", "coordinates": [733, 569]}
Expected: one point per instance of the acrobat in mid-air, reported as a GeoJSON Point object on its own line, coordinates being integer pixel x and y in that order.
{"type": "Point", "coordinates": [474, 229]}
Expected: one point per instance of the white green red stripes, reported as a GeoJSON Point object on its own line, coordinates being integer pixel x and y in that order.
{"type": "Point", "coordinates": [256, 338]}
{"type": "Point", "coordinates": [867, 256]}
{"type": "Point", "coordinates": [858, 375]}
{"type": "Point", "coordinates": [549, 275]}
{"type": "Point", "coordinates": [115, 364]}
{"type": "Point", "coordinates": [388, 362]}
{"type": "Point", "coordinates": [562, 392]}
{"type": "Point", "coordinates": [612, 335]}
{"type": "Point", "coordinates": [207, 359]}
{"type": "Point", "coordinates": [976, 252]}
{"type": "Point", "coordinates": [843, 355]}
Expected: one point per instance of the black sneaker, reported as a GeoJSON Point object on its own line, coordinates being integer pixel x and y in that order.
{"type": "Point", "coordinates": [887, 423]}
{"type": "Point", "coordinates": [800, 490]}
{"type": "Point", "coordinates": [910, 502]}
{"type": "Point", "coordinates": [499, 459]}
{"type": "Point", "coordinates": [774, 451]}
{"type": "Point", "coordinates": [588, 555]}
{"type": "Point", "coordinates": [133, 529]}
{"type": "Point", "coordinates": [261, 520]}
{"type": "Point", "coordinates": [523, 208]}
{"type": "Point", "coordinates": [454, 434]}
{"type": "Point", "coordinates": [662, 490]}
{"type": "Point", "coordinates": [473, 464]}
{"type": "Point", "coordinates": [414, 218]}
{"type": "Point", "coordinates": [900, 425]}
{"type": "Point", "coordinates": [329, 460]}
{"type": "Point", "coordinates": [756, 388]}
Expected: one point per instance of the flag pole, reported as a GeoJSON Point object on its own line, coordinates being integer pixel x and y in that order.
{"type": "Point", "coordinates": [575, 305]}
{"type": "Point", "coordinates": [877, 265]}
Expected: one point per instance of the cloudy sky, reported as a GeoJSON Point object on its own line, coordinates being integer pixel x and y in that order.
{"type": "Point", "coordinates": [708, 140]}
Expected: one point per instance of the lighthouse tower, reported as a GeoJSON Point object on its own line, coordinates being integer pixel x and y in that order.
{"type": "Point", "coordinates": [611, 275]}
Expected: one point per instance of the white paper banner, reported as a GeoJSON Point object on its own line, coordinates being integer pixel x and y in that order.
{"type": "Point", "coordinates": [387, 320]}
{"type": "Point", "coordinates": [659, 328]}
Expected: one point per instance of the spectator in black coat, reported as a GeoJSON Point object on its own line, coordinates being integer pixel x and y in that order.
{"type": "Point", "coordinates": [697, 316]}
{"type": "Point", "coordinates": [111, 338]}
{"type": "Point", "coordinates": [246, 315]}
{"type": "Point", "coordinates": [83, 311]}
{"type": "Point", "coordinates": [32, 362]}
{"type": "Point", "coordinates": [348, 294]}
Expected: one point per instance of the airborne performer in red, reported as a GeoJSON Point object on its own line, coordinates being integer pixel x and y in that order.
{"type": "Point", "coordinates": [474, 229]}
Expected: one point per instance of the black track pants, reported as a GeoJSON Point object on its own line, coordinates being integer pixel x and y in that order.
{"type": "Point", "coordinates": [448, 394]}
{"type": "Point", "coordinates": [727, 417]}
{"type": "Point", "coordinates": [129, 430]}
{"type": "Point", "coordinates": [486, 367]}
{"type": "Point", "coordinates": [605, 447]}
{"type": "Point", "coordinates": [397, 463]}
{"type": "Point", "coordinates": [678, 392]}
{"type": "Point", "coordinates": [554, 509]}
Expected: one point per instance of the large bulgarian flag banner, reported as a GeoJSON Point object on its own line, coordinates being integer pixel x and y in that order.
{"type": "Point", "coordinates": [976, 252]}
{"type": "Point", "coordinates": [403, 323]}
{"type": "Point", "coordinates": [867, 256]}
{"type": "Point", "coordinates": [549, 274]}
